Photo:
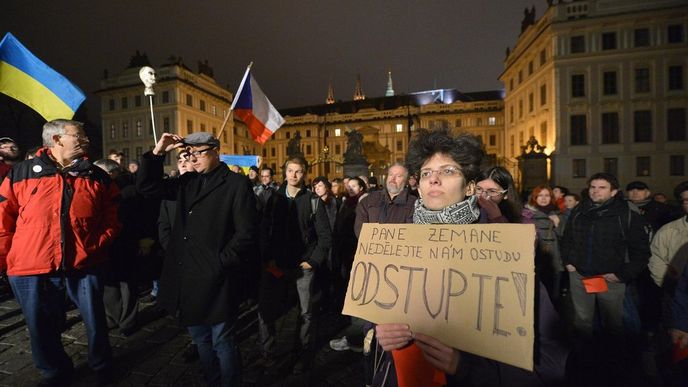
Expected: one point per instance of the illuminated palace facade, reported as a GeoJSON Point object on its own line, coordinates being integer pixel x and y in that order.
{"type": "Point", "coordinates": [602, 84]}
{"type": "Point", "coordinates": [386, 124]}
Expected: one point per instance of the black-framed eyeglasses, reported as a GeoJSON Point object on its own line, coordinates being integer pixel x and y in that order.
{"type": "Point", "coordinates": [197, 153]}
{"type": "Point", "coordinates": [489, 192]}
{"type": "Point", "coordinates": [79, 137]}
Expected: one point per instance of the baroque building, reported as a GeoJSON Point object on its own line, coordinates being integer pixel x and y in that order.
{"type": "Point", "coordinates": [386, 124]}
{"type": "Point", "coordinates": [602, 85]}
{"type": "Point", "coordinates": [185, 102]}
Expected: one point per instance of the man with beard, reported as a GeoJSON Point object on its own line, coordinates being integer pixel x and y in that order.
{"type": "Point", "coordinates": [9, 155]}
{"type": "Point", "coordinates": [393, 204]}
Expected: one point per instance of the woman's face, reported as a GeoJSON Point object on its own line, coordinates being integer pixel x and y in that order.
{"type": "Point", "coordinates": [543, 198]}
{"type": "Point", "coordinates": [353, 188]}
{"type": "Point", "coordinates": [440, 188]}
{"type": "Point", "coordinates": [489, 189]}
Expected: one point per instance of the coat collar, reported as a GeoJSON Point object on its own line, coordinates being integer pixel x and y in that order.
{"type": "Point", "coordinates": [213, 180]}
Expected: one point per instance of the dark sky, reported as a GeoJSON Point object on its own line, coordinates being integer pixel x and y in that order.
{"type": "Point", "coordinates": [296, 45]}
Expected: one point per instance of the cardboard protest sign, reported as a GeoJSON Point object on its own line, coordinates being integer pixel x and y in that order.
{"type": "Point", "coordinates": [470, 286]}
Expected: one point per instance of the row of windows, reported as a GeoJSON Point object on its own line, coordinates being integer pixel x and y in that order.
{"type": "Point", "coordinates": [531, 103]}
{"type": "Point", "coordinates": [137, 99]}
{"type": "Point", "coordinates": [641, 81]}
{"type": "Point", "coordinates": [642, 127]}
{"type": "Point", "coordinates": [138, 129]}
{"type": "Point", "coordinates": [166, 98]}
{"type": "Point", "coordinates": [530, 68]}
{"type": "Point", "coordinates": [643, 166]}
{"type": "Point", "coordinates": [642, 37]}
{"type": "Point", "coordinates": [398, 128]}
{"type": "Point", "coordinates": [477, 121]}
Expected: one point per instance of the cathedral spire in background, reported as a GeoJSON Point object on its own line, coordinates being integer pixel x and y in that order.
{"type": "Point", "coordinates": [330, 93]}
{"type": "Point", "coordinates": [390, 89]}
{"type": "Point", "coordinates": [358, 93]}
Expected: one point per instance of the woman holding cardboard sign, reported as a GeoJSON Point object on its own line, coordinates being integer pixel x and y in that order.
{"type": "Point", "coordinates": [448, 167]}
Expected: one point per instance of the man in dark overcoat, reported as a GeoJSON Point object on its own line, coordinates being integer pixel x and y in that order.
{"type": "Point", "coordinates": [214, 231]}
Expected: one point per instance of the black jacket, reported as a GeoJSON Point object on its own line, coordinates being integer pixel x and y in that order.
{"type": "Point", "coordinates": [597, 238]}
{"type": "Point", "coordinates": [300, 233]}
{"type": "Point", "coordinates": [211, 241]}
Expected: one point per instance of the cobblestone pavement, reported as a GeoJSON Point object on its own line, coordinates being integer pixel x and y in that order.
{"type": "Point", "coordinates": [153, 355]}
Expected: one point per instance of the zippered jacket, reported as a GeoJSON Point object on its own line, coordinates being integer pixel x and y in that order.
{"type": "Point", "coordinates": [610, 238]}
{"type": "Point", "coordinates": [54, 220]}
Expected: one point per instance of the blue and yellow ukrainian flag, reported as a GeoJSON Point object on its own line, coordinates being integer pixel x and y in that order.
{"type": "Point", "coordinates": [27, 79]}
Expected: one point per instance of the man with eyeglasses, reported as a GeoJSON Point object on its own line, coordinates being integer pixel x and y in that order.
{"type": "Point", "coordinates": [9, 155]}
{"type": "Point", "coordinates": [266, 187]}
{"type": "Point", "coordinates": [58, 216]}
{"type": "Point", "coordinates": [209, 249]}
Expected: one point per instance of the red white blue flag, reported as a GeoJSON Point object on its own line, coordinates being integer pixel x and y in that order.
{"type": "Point", "coordinates": [253, 107]}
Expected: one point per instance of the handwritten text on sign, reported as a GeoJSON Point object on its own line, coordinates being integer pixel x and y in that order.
{"type": "Point", "coordinates": [471, 286]}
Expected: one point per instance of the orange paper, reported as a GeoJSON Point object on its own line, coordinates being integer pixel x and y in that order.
{"type": "Point", "coordinates": [414, 371]}
{"type": "Point", "coordinates": [596, 284]}
{"type": "Point", "coordinates": [679, 354]}
{"type": "Point", "coordinates": [275, 271]}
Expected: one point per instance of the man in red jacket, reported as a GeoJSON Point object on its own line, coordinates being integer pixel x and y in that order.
{"type": "Point", "coordinates": [57, 216]}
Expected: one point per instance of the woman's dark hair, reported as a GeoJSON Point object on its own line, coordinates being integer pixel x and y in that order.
{"type": "Point", "coordinates": [464, 149]}
{"type": "Point", "coordinates": [361, 183]}
{"type": "Point", "coordinates": [322, 179]}
{"type": "Point", "coordinates": [511, 205]}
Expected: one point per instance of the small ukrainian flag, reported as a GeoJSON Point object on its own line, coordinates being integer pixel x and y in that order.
{"type": "Point", "coordinates": [27, 79]}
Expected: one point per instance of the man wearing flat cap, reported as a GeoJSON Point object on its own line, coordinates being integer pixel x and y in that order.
{"type": "Point", "coordinates": [211, 239]}
{"type": "Point", "coordinates": [656, 213]}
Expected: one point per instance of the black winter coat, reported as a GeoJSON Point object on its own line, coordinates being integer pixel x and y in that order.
{"type": "Point", "coordinates": [299, 234]}
{"type": "Point", "coordinates": [214, 232]}
{"type": "Point", "coordinates": [596, 239]}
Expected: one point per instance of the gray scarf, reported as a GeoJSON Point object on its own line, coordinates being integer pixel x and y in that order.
{"type": "Point", "coordinates": [465, 212]}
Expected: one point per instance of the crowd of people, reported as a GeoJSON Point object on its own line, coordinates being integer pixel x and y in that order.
{"type": "Point", "coordinates": [613, 281]}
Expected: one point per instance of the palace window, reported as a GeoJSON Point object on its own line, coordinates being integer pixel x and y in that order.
{"type": "Point", "coordinates": [642, 126]}
{"type": "Point", "coordinates": [610, 128]}
{"type": "Point", "coordinates": [579, 130]}
{"type": "Point", "coordinates": [676, 124]}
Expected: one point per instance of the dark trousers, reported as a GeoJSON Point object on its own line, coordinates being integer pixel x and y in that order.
{"type": "Point", "coordinates": [42, 299]}
{"type": "Point", "coordinates": [121, 305]}
{"type": "Point", "coordinates": [609, 304]}
{"type": "Point", "coordinates": [304, 280]}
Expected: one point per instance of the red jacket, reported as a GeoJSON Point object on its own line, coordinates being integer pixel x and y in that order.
{"type": "Point", "coordinates": [55, 220]}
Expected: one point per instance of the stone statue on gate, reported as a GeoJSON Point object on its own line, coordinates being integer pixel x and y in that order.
{"type": "Point", "coordinates": [294, 147]}
{"type": "Point", "coordinates": [354, 148]}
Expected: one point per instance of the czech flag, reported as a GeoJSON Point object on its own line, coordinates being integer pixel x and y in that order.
{"type": "Point", "coordinates": [27, 79]}
{"type": "Point", "coordinates": [254, 108]}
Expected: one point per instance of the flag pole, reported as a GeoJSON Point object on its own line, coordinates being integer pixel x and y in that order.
{"type": "Point", "coordinates": [234, 100]}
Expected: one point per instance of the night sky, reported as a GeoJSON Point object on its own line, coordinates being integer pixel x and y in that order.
{"type": "Point", "coordinates": [297, 46]}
